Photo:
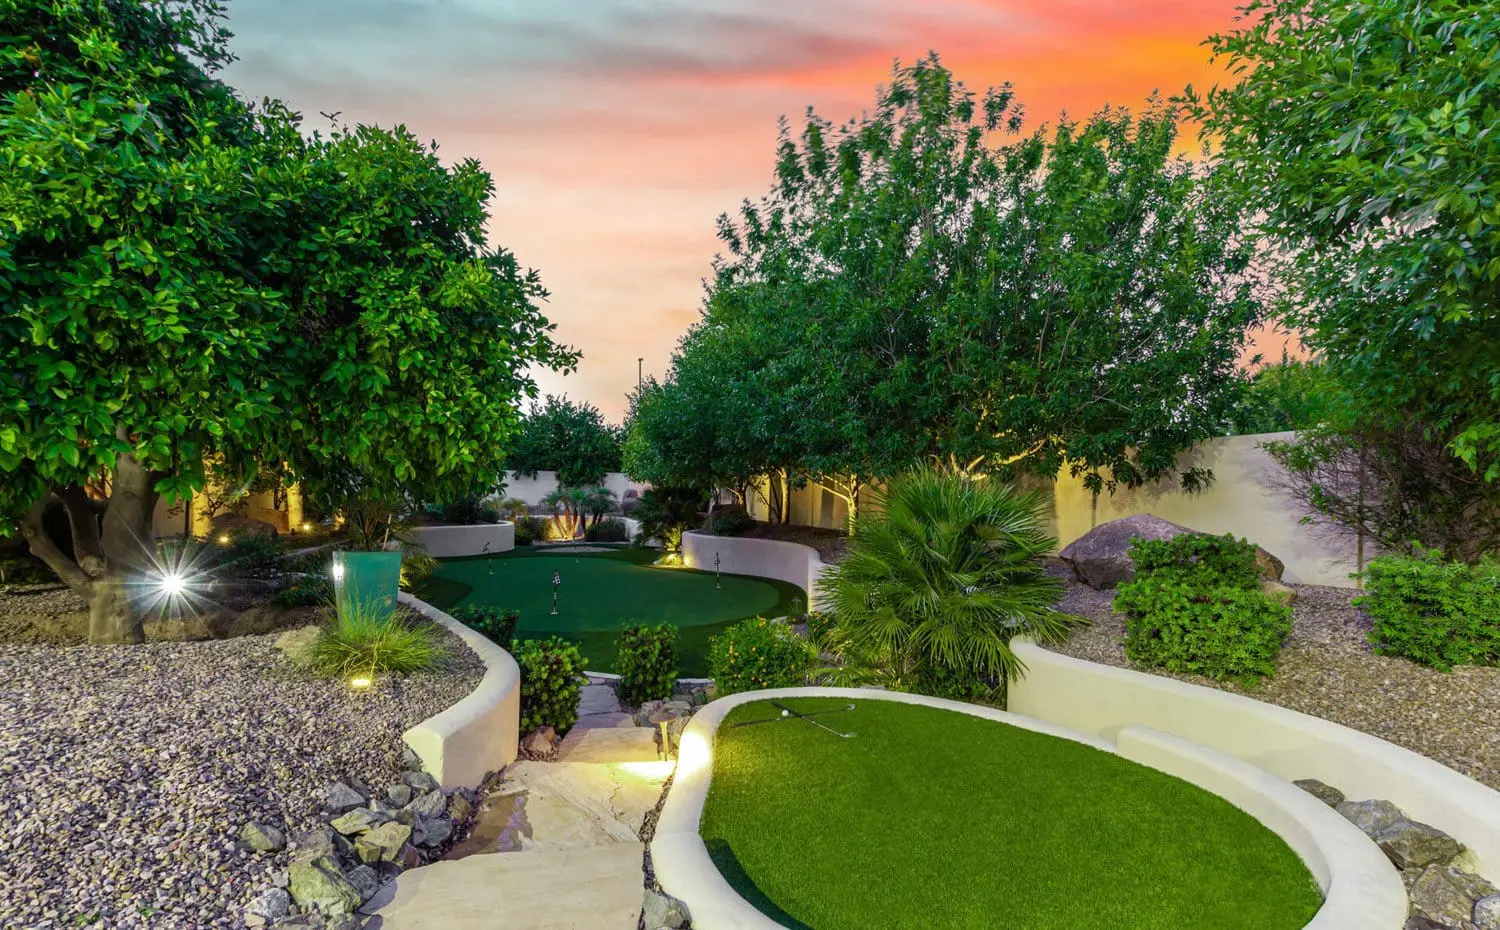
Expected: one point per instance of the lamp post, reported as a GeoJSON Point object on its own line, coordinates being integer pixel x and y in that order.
{"type": "Point", "coordinates": [717, 577]}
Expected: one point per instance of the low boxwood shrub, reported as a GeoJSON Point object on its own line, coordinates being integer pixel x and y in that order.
{"type": "Point", "coordinates": [610, 529]}
{"type": "Point", "coordinates": [551, 679]}
{"type": "Point", "coordinates": [360, 641]}
{"type": "Point", "coordinates": [1197, 560]}
{"type": "Point", "coordinates": [529, 530]}
{"type": "Point", "coordinates": [1219, 632]}
{"type": "Point", "coordinates": [1434, 611]}
{"type": "Point", "coordinates": [647, 663]}
{"type": "Point", "coordinates": [731, 521]}
{"type": "Point", "coordinates": [468, 511]}
{"type": "Point", "coordinates": [759, 653]}
{"type": "Point", "coordinates": [497, 623]}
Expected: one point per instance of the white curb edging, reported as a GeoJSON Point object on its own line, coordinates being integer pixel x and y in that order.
{"type": "Point", "coordinates": [791, 562]}
{"type": "Point", "coordinates": [1361, 893]}
{"type": "Point", "coordinates": [480, 734]}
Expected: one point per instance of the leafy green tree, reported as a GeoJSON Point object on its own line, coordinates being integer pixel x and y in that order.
{"type": "Point", "coordinates": [186, 280]}
{"type": "Point", "coordinates": [1367, 135]}
{"type": "Point", "coordinates": [940, 579]}
{"type": "Point", "coordinates": [568, 437]}
{"type": "Point", "coordinates": [1290, 395]}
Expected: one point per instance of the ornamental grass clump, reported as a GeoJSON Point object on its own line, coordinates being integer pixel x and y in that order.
{"type": "Point", "coordinates": [364, 641]}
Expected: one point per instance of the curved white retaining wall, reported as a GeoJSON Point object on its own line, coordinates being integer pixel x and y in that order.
{"type": "Point", "coordinates": [451, 542]}
{"type": "Point", "coordinates": [1362, 891]}
{"type": "Point", "coordinates": [769, 558]}
{"type": "Point", "coordinates": [479, 734]}
{"type": "Point", "coordinates": [1103, 701]}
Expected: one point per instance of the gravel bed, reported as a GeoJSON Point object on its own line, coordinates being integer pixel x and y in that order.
{"type": "Point", "coordinates": [832, 545]}
{"type": "Point", "coordinates": [1327, 670]}
{"type": "Point", "coordinates": [126, 772]}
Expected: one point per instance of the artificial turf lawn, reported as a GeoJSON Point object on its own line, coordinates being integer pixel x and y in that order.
{"type": "Point", "coordinates": [603, 592]}
{"type": "Point", "coordinates": [928, 818]}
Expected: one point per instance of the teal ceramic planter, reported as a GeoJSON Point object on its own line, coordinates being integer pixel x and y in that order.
{"type": "Point", "coordinates": [367, 580]}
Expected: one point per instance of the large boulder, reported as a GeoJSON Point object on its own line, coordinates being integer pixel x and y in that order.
{"type": "Point", "coordinates": [320, 884]}
{"type": "Point", "coordinates": [233, 524]}
{"type": "Point", "coordinates": [1101, 557]}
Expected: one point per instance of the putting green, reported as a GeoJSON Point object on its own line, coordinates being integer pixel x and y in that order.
{"type": "Point", "coordinates": [603, 592]}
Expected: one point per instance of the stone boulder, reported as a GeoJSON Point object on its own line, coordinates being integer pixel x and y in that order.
{"type": "Point", "coordinates": [319, 883]}
{"type": "Point", "coordinates": [1437, 896]}
{"type": "Point", "coordinates": [1412, 845]}
{"type": "Point", "coordinates": [1328, 794]}
{"type": "Point", "coordinates": [1487, 912]}
{"type": "Point", "coordinates": [295, 643]}
{"type": "Point", "coordinates": [1371, 816]}
{"type": "Point", "coordinates": [357, 821]}
{"type": "Point", "coordinates": [268, 907]}
{"type": "Point", "coordinates": [540, 743]}
{"type": "Point", "coordinates": [341, 798]}
{"type": "Point", "coordinates": [236, 525]}
{"type": "Point", "coordinates": [262, 837]}
{"type": "Point", "coordinates": [1101, 557]}
{"type": "Point", "coordinates": [663, 912]}
{"type": "Point", "coordinates": [382, 844]}
{"type": "Point", "coordinates": [365, 879]}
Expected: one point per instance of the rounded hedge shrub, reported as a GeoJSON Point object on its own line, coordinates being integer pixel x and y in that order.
{"type": "Point", "coordinates": [551, 679]}
{"type": "Point", "coordinates": [496, 623]}
{"type": "Point", "coordinates": [1433, 611]}
{"type": "Point", "coordinates": [731, 521]}
{"type": "Point", "coordinates": [759, 653]}
{"type": "Point", "coordinates": [647, 663]}
{"type": "Point", "coordinates": [1219, 632]}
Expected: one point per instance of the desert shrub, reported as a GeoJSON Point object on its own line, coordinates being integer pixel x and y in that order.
{"type": "Point", "coordinates": [308, 591]}
{"type": "Point", "coordinates": [467, 511]}
{"type": "Point", "coordinates": [665, 512]}
{"type": "Point", "coordinates": [360, 641]}
{"type": "Point", "coordinates": [512, 508]}
{"type": "Point", "coordinates": [647, 663]}
{"type": "Point", "coordinates": [1198, 561]}
{"type": "Point", "coordinates": [1434, 611]}
{"type": "Point", "coordinates": [497, 623]}
{"type": "Point", "coordinates": [551, 679]}
{"type": "Point", "coordinates": [250, 555]}
{"type": "Point", "coordinates": [1219, 632]}
{"type": "Point", "coordinates": [731, 521]}
{"type": "Point", "coordinates": [417, 565]}
{"type": "Point", "coordinates": [759, 653]}
{"type": "Point", "coordinates": [529, 530]}
{"type": "Point", "coordinates": [610, 529]}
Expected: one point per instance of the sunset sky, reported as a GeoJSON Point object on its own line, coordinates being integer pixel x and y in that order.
{"type": "Point", "coordinates": [617, 130]}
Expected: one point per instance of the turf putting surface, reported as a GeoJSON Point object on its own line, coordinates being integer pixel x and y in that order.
{"type": "Point", "coordinates": [933, 819]}
{"type": "Point", "coordinates": [603, 592]}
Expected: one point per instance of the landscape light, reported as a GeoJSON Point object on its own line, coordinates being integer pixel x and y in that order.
{"type": "Point", "coordinates": [361, 682]}
{"type": "Point", "coordinates": [338, 571]}
{"type": "Point", "coordinates": [223, 539]}
{"type": "Point", "coordinates": [172, 584]}
{"type": "Point", "coordinates": [307, 527]}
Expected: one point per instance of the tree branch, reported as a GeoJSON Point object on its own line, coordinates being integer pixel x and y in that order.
{"type": "Point", "coordinates": [88, 552]}
{"type": "Point", "coordinates": [42, 546]}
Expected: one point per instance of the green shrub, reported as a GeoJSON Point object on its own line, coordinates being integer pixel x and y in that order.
{"type": "Point", "coordinates": [529, 530]}
{"type": "Point", "coordinates": [759, 653]}
{"type": "Point", "coordinates": [360, 641]}
{"type": "Point", "coordinates": [1198, 561]}
{"type": "Point", "coordinates": [1433, 611]}
{"type": "Point", "coordinates": [468, 511]}
{"type": "Point", "coordinates": [1217, 631]}
{"type": "Point", "coordinates": [309, 591]}
{"type": "Point", "coordinates": [610, 529]}
{"type": "Point", "coordinates": [249, 555]}
{"type": "Point", "coordinates": [497, 623]}
{"type": "Point", "coordinates": [551, 679]}
{"type": "Point", "coordinates": [731, 521]}
{"type": "Point", "coordinates": [647, 663]}
{"type": "Point", "coordinates": [417, 565]}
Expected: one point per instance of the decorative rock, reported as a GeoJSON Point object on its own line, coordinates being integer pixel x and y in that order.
{"type": "Point", "coordinates": [1412, 845]}
{"type": "Point", "coordinates": [460, 808]}
{"type": "Point", "coordinates": [1437, 897]}
{"type": "Point", "coordinates": [1416, 922]}
{"type": "Point", "coordinates": [383, 843]}
{"type": "Point", "coordinates": [661, 910]}
{"type": "Point", "coordinates": [262, 837]}
{"type": "Point", "coordinates": [318, 883]}
{"type": "Point", "coordinates": [315, 844]}
{"type": "Point", "coordinates": [411, 857]}
{"type": "Point", "coordinates": [1284, 593]}
{"type": "Point", "coordinates": [431, 831]}
{"type": "Point", "coordinates": [1371, 816]}
{"type": "Point", "coordinates": [431, 804]}
{"type": "Point", "coordinates": [365, 879]}
{"type": "Point", "coordinates": [1101, 557]}
{"type": "Point", "coordinates": [540, 742]}
{"type": "Point", "coordinates": [1487, 912]}
{"type": "Point", "coordinates": [421, 782]}
{"type": "Point", "coordinates": [268, 907]}
{"type": "Point", "coordinates": [357, 821]}
{"type": "Point", "coordinates": [410, 761]}
{"type": "Point", "coordinates": [381, 806]}
{"type": "Point", "coordinates": [339, 798]}
{"type": "Point", "coordinates": [295, 643]}
{"type": "Point", "coordinates": [399, 795]}
{"type": "Point", "coordinates": [1328, 794]}
{"type": "Point", "coordinates": [344, 922]}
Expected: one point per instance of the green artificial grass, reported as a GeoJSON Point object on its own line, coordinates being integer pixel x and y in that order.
{"type": "Point", "coordinates": [603, 592]}
{"type": "Point", "coordinates": [933, 819]}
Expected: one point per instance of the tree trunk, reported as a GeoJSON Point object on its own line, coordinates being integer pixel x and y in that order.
{"type": "Point", "coordinates": [115, 616]}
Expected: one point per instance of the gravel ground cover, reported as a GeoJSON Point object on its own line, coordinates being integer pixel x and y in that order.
{"type": "Point", "coordinates": [1327, 670]}
{"type": "Point", "coordinates": [127, 772]}
{"type": "Point", "coordinates": [832, 545]}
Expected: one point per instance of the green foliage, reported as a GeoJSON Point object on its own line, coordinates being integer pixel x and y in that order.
{"type": "Point", "coordinates": [529, 530]}
{"type": "Point", "coordinates": [1195, 605]}
{"type": "Point", "coordinates": [647, 663]}
{"type": "Point", "coordinates": [759, 653]}
{"type": "Point", "coordinates": [665, 512]}
{"type": "Point", "coordinates": [248, 555]}
{"type": "Point", "coordinates": [512, 508]}
{"type": "Point", "coordinates": [417, 565]}
{"type": "Point", "coordinates": [359, 641]}
{"type": "Point", "coordinates": [730, 522]}
{"type": "Point", "coordinates": [308, 591]}
{"type": "Point", "coordinates": [570, 438]}
{"type": "Point", "coordinates": [941, 577]}
{"type": "Point", "coordinates": [610, 529]}
{"type": "Point", "coordinates": [1367, 136]}
{"type": "Point", "coordinates": [497, 623]}
{"type": "Point", "coordinates": [1198, 560]}
{"type": "Point", "coordinates": [469, 511]}
{"type": "Point", "coordinates": [914, 287]}
{"type": "Point", "coordinates": [1290, 395]}
{"type": "Point", "coordinates": [551, 680]}
{"type": "Point", "coordinates": [1434, 611]}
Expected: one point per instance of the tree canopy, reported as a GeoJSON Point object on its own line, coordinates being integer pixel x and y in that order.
{"type": "Point", "coordinates": [1367, 134]}
{"type": "Point", "coordinates": [568, 437]}
{"type": "Point", "coordinates": [916, 287]}
{"type": "Point", "coordinates": [188, 280]}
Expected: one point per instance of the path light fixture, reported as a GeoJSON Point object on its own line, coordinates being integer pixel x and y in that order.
{"type": "Point", "coordinates": [361, 682]}
{"type": "Point", "coordinates": [223, 539]}
{"type": "Point", "coordinates": [661, 718]}
{"type": "Point", "coordinates": [718, 581]}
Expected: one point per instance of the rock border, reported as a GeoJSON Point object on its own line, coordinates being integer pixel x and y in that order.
{"type": "Point", "coordinates": [1362, 890]}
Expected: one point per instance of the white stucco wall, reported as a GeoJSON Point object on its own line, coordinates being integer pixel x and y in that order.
{"type": "Point", "coordinates": [766, 558]}
{"type": "Point", "coordinates": [450, 542]}
{"type": "Point", "coordinates": [532, 490]}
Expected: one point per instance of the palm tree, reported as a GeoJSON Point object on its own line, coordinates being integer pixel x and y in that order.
{"type": "Point", "coordinates": [942, 572]}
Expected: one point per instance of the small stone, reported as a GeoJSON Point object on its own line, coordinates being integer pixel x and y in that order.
{"type": "Point", "coordinates": [383, 843]}
{"type": "Point", "coordinates": [421, 782]}
{"type": "Point", "coordinates": [410, 761]}
{"type": "Point", "coordinates": [1487, 912]}
{"type": "Point", "coordinates": [318, 883]}
{"type": "Point", "coordinates": [1416, 922]}
{"type": "Point", "coordinates": [1328, 794]}
{"type": "Point", "coordinates": [1277, 591]}
{"type": "Point", "coordinates": [344, 922]}
{"type": "Point", "coordinates": [339, 798]}
{"type": "Point", "coordinates": [540, 742]}
{"type": "Point", "coordinates": [268, 907]}
{"type": "Point", "coordinates": [1437, 897]}
{"type": "Point", "coordinates": [399, 795]}
{"type": "Point", "coordinates": [262, 837]}
{"type": "Point", "coordinates": [358, 821]}
{"type": "Point", "coordinates": [365, 879]}
{"type": "Point", "coordinates": [411, 857]}
{"type": "Point", "coordinates": [1370, 816]}
{"type": "Point", "coordinates": [431, 831]}
{"type": "Point", "coordinates": [460, 808]}
{"type": "Point", "coordinates": [431, 804]}
{"type": "Point", "coordinates": [315, 844]}
{"type": "Point", "coordinates": [661, 910]}
{"type": "Point", "coordinates": [1412, 845]}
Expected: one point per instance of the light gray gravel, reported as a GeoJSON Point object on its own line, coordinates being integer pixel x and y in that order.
{"type": "Point", "coordinates": [126, 772]}
{"type": "Point", "coordinates": [1327, 669]}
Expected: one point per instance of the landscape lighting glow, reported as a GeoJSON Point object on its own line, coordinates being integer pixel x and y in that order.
{"type": "Point", "coordinates": [224, 539]}
{"type": "Point", "coordinates": [338, 570]}
{"type": "Point", "coordinates": [360, 682]}
{"type": "Point", "coordinates": [172, 584]}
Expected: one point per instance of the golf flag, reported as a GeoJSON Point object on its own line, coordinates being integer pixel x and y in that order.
{"type": "Point", "coordinates": [556, 579]}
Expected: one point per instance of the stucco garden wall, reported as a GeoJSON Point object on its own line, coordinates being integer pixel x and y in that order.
{"type": "Point", "coordinates": [532, 490]}
{"type": "Point", "coordinates": [766, 558]}
{"type": "Point", "coordinates": [450, 542]}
